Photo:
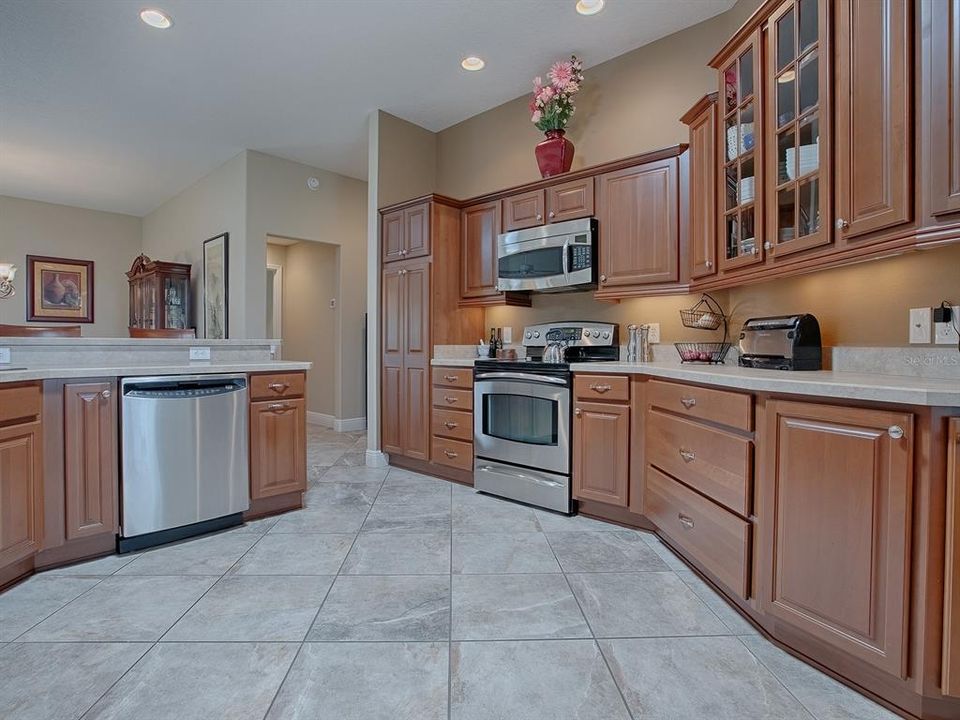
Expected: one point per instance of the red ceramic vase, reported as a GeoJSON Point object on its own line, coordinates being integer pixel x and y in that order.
{"type": "Point", "coordinates": [555, 154]}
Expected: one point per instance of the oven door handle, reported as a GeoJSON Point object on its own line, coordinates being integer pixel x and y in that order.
{"type": "Point", "coordinates": [520, 376]}
{"type": "Point", "coordinates": [522, 476]}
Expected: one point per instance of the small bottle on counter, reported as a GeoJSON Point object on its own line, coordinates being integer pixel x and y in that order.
{"type": "Point", "coordinates": [492, 349]}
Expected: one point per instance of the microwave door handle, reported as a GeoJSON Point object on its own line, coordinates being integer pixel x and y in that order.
{"type": "Point", "coordinates": [520, 376]}
{"type": "Point", "coordinates": [566, 257]}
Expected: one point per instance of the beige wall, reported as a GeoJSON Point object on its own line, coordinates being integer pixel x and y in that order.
{"type": "Point", "coordinates": [280, 203]}
{"type": "Point", "coordinates": [407, 160]}
{"type": "Point", "coordinates": [310, 281]}
{"type": "Point", "coordinates": [110, 240]}
{"type": "Point", "coordinates": [176, 230]}
{"type": "Point", "coordinates": [628, 105]}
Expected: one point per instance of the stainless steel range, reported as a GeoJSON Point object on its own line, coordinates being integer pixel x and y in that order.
{"type": "Point", "coordinates": [522, 412]}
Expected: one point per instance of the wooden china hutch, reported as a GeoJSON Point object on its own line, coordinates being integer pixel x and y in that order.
{"type": "Point", "coordinates": [159, 294]}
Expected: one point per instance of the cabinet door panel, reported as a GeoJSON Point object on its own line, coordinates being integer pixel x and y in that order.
{"type": "Point", "coordinates": [951, 605]}
{"type": "Point", "coordinates": [416, 231]}
{"type": "Point", "coordinates": [601, 452]}
{"type": "Point", "coordinates": [20, 492]}
{"type": "Point", "coordinates": [391, 236]}
{"type": "Point", "coordinates": [640, 225]}
{"type": "Point", "coordinates": [278, 451]}
{"type": "Point", "coordinates": [835, 503]}
{"type": "Point", "coordinates": [873, 116]}
{"type": "Point", "coordinates": [569, 201]}
{"type": "Point", "coordinates": [90, 458]}
{"type": "Point", "coordinates": [703, 192]}
{"type": "Point", "coordinates": [941, 61]}
{"type": "Point", "coordinates": [391, 409]}
{"type": "Point", "coordinates": [415, 387]}
{"type": "Point", "coordinates": [523, 211]}
{"type": "Point", "coordinates": [481, 225]}
{"type": "Point", "coordinates": [415, 423]}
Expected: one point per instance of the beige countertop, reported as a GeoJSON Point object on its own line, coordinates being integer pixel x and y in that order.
{"type": "Point", "coordinates": [13, 373]}
{"type": "Point", "coordinates": [901, 390]}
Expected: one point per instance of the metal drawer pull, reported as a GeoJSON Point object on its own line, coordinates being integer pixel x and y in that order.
{"type": "Point", "coordinates": [688, 402]}
{"type": "Point", "coordinates": [895, 431]}
{"type": "Point", "coordinates": [450, 424]}
{"type": "Point", "coordinates": [451, 378]}
{"type": "Point", "coordinates": [278, 406]}
{"type": "Point", "coordinates": [278, 387]}
{"type": "Point", "coordinates": [450, 454]}
{"type": "Point", "coordinates": [449, 399]}
{"type": "Point", "coordinates": [687, 455]}
{"type": "Point", "coordinates": [601, 388]}
{"type": "Point", "coordinates": [686, 521]}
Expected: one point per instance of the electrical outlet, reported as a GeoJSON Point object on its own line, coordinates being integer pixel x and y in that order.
{"type": "Point", "coordinates": [946, 333]}
{"type": "Point", "coordinates": [199, 353]}
{"type": "Point", "coordinates": [507, 335]}
{"type": "Point", "coordinates": [4, 356]}
{"type": "Point", "coordinates": [654, 333]}
{"type": "Point", "coordinates": [920, 325]}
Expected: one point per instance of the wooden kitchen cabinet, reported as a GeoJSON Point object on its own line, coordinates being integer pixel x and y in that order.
{"type": "Point", "coordinates": [21, 481]}
{"type": "Point", "coordinates": [940, 106]}
{"type": "Point", "coordinates": [91, 478]}
{"type": "Point", "coordinates": [702, 122]}
{"type": "Point", "coordinates": [278, 447]}
{"type": "Point", "coordinates": [638, 214]}
{"type": "Point", "coordinates": [601, 444]}
{"type": "Point", "coordinates": [570, 200]}
{"type": "Point", "coordinates": [480, 227]}
{"type": "Point", "coordinates": [523, 211]}
{"type": "Point", "coordinates": [951, 604]}
{"type": "Point", "coordinates": [834, 509]}
{"type": "Point", "coordinates": [405, 233]}
{"type": "Point", "coordinates": [874, 111]}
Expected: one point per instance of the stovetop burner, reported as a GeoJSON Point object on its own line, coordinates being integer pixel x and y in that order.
{"type": "Point", "coordinates": [581, 342]}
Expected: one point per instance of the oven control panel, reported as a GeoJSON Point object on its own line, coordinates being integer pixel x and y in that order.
{"type": "Point", "coordinates": [579, 334]}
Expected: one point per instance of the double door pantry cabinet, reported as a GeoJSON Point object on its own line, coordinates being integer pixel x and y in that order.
{"type": "Point", "coordinates": [59, 465]}
{"type": "Point", "coordinates": [833, 526]}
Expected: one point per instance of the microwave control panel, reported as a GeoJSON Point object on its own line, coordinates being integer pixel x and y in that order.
{"type": "Point", "coordinates": [581, 256]}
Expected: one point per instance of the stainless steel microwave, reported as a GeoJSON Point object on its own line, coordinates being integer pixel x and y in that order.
{"type": "Point", "coordinates": [551, 258]}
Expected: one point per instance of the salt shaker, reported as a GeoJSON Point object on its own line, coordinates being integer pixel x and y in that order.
{"type": "Point", "coordinates": [633, 342]}
{"type": "Point", "coordinates": [645, 349]}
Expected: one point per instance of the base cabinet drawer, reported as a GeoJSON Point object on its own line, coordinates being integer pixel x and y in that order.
{"type": "Point", "coordinates": [277, 386]}
{"type": "Point", "coordinates": [451, 398]}
{"type": "Point", "coordinates": [453, 453]}
{"type": "Point", "coordinates": [714, 537]}
{"type": "Point", "coordinates": [455, 424]}
{"type": "Point", "coordinates": [719, 406]}
{"type": "Point", "coordinates": [602, 388]}
{"type": "Point", "coordinates": [714, 462]}
{"type": "Point", "coordinates": [456, 377]}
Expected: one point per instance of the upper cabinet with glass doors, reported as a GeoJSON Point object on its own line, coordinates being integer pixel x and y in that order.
{"type": "Point", "coordinates": [741, 151]}
{"type": "Point", "coordinates": [798, 127]}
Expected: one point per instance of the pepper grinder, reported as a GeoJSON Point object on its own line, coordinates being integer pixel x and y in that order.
{"type": "Point", "coordinates": [633, 342]}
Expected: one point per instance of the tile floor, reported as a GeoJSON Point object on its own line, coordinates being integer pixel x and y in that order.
{"type": "Point", "coordinates": [397, 596]}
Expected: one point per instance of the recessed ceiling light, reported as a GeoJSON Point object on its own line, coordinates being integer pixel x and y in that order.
{"type": "Point", "coordinates": [589, 7]}
{"type": "Point", "coordinates": [472, 63]}
{"type": "Point", "coordinates": [156, 18]}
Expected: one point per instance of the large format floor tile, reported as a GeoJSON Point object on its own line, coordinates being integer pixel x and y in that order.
{"type": "Point", "coordinates": [47, 681]}
{"type": "Point", "coordinates": [365, 681]}
{"type": "Point", "coordinates": [322, 519]}
{"type": "Point", "coordinates": [647, 604]}
{"type": "Point", "coordinates": [532, 680]}
{"type": "Point", "coordinates": [213, 681]}
{"type": "Point", "coordinates": [295, 554]}
{"type": "Point", "coordinates": [253, 609]}
{"type": "Point", "coordinates": [706, 677]}
{"type": "Point", "coordinates": [391, 607]}
{"type": "Point", "coordinates": [617, 551]}
{"type": "Point", "coordinates": [354, 475]}
{"type": "Point", "coordinates": [101, 567]}
{"type": "Point", "coordinates": [355, 495]}
{"type": "Point", "coordinates": [36, 598]}
{"type": "Point", "coordinates": [511, 607]}
{"type": "Point", "coordinates": [430, 515]}
{"type": "Point", "coordinates": [488, 553]}
{"type": "Point", "coordinates": [399, 554]}
{"type": "Point", "coordinates": [123, 608]}
{"type": "Point", "coordinates": [210, 555]}
{"type": "Point", "coordinates": [478, 513]}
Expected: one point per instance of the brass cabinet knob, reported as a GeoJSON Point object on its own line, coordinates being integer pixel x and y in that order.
{"type": "Point", "coordinates": [895, 431]}
{"type": "Point", "coordinates": [768, 245]}
{"type": "Point", "coordinates": [842, 224]}
{"type": "Point", "coordinates": [603, 278]}
{"type": "Point", "coordinates": [708, 264]}
{"type": "Point", "coordinates": [552, 214]}
{"type": "Point", "coordinates": [539, 216]}
{"type": "Point", "coordinates": [106, 394]}
{"type": "Point", "coordinates": [577, 412]}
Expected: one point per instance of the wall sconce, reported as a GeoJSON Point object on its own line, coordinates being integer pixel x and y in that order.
{"type": "Point", "coordinates": [7, 273]}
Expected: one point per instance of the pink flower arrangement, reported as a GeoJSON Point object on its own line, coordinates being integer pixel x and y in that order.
{"type": "Point", "coordinates": [552, 104]}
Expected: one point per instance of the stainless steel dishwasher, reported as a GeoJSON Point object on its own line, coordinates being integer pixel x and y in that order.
{"type": "Point", "coordinates": [185, 462]}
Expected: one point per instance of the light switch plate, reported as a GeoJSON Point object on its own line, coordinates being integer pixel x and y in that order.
{"type": "Point", "coordinates": [921, 323]}
{"type": "Point", "coordinates": [654, 333]}
{"type": "Point", "coordinates": [945, 333]}
{"type": "Point", "coordinates": [4, 356]}
{"type": "Point", "coordinates": [199, 353]}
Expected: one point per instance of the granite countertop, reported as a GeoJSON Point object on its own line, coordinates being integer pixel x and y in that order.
{"type": "Point", "coordinates": [899, 389]}
{"type": "Point", "coordinates": [17, 374]}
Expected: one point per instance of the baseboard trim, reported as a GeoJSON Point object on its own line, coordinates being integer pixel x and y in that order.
{"type": "Point", "coordinates": [337, 424]}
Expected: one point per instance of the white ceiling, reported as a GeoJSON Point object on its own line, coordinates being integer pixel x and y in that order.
{"type": "Point", "coordinates": [100, 111]}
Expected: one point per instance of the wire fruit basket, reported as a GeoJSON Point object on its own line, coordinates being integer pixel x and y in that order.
{"type": "Point", "coordinates": [705, 315]}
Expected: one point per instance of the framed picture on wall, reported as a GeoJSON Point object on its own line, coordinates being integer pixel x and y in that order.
{"type": "Point", "coordinates": [216, 287]}
{"type": "Point", "coordinates": [59, 290]}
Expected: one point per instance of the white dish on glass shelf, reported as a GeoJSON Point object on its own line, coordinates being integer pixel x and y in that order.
{"type": "Point", "coordinates": [742, 133]}
{"type": "Point", "coordinates": [809, 160]}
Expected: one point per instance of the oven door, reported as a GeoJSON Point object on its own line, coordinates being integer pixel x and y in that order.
{"type": "Point", "coordinates": [523, 419]}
